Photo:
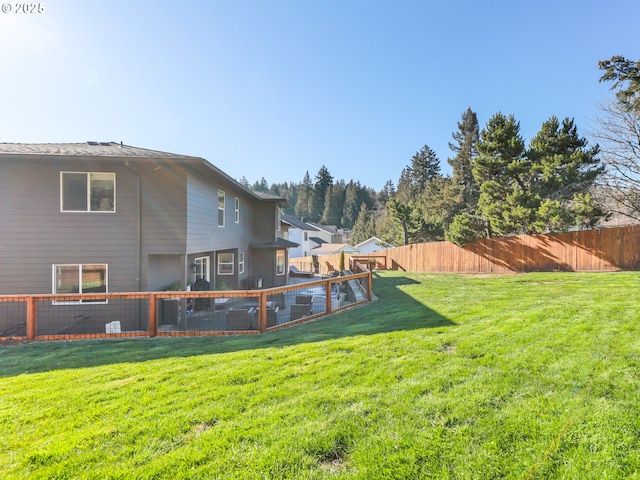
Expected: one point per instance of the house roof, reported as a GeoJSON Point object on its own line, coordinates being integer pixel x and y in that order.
{"type": "Point", "coordinates": [375, 240]}
{"type": "Point", "coordinates": [333, 248]}
{"type": "Point", "coordinates": [328, 228]}
{"type": "Point", "coordinates": [294, 222]}
{"type": "Point", "coordinates": [277, 244]}
{"type": "Point", "coordinates": [86, 149]}
{"type": "Point", "coordinates": [115, 151]}
{"type": "Point", "coordinates": [318, 240]}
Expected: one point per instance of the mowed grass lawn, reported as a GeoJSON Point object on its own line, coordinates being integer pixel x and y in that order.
{"type": "Point", "coordinates": [445, 376]}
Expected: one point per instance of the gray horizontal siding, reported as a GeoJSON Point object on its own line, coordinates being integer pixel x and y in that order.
{"type": "Point", "coordinates": [34, 234]}
{"type": "Point", "coordinates": [204, 234]}
{"type": "Point", "coordinates": [164, 208]}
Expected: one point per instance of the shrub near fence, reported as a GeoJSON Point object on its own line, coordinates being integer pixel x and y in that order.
{"type": "Point", "coordinates": [606, 249]}
{"type": "Point", "coordinates": [108, 315]}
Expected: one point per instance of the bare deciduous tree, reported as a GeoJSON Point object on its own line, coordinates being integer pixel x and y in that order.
{"type": "Point", "coordinates": [618, 133]}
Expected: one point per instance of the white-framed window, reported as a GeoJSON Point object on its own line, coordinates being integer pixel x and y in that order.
{"type": "Point", "coordinates": [225, 263]}
{"type": "Point", "coordinates": [83, 278]}
{"type": "Point", "coordinates": [237, 205]}
{"type": "Point", "coordinates": [306, 236]}
{"type": "Point", "coordinates": [202, 268]}
{"type": "Point", "coordinates": [87, 192]}
{"type": "Point", "coordinates": [280, 262]}
{"type": "Point", "coordinates": [278, 213]}
{"type": "Point", "coordinates": [241, 262]}
{"type": "Point", "coordinates": [220, 208]}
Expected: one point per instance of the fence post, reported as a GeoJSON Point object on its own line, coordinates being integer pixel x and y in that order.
{"type": "Point", "coordinates": [328, 296]}
{"type": "Point", "coordinates": [32, 315]}
{"type": "Point", "coordinates": [262, 312]}
{"type": "Point", "coordinates": [153, 315]}
{"type": "Point", "coordinates": [369, 286]}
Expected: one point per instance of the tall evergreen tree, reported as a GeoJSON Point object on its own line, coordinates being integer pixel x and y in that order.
{"type": "Point", "coordinates": [563, 169]}
{"type": "Point", "coordinates": [364, 228]}
{"type": "Point", "coordinates": [333, 204]}
{"type": "Point", "coordinates": [464, 191]}
{"type": "Point", "coordinates": [305, 193]}
{"type": "Point", "coordinates": [350, 206]}
{"type": "Point", "coordinates": [626, 77]}
{"type": "Point", "coordinates": [424, 167]}
{"type": "Point", "coordinates": [504, 201]}
{"type": "Point", "coordinates": [323, 182]}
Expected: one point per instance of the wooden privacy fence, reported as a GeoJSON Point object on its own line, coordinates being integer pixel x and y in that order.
{"type": "Point", "coordinates": [607, 249]}
{"type": "Point", "coordinates": [151, 314]}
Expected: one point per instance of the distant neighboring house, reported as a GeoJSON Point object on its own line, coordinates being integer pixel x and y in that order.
{"type": "Point", "coordinates": [328, 233]}
{"type": "Point", "coordinates": [373, 244]}
{"type": "Point", "coordinates": [302, 233]}
{"type": "Point", "coordinates": [107, 217]}
{"type": "Point", "coordinates": [330, 248]}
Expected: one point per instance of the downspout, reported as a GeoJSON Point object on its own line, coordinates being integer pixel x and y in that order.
{"type": "Point", "coordinates": [139, 232]}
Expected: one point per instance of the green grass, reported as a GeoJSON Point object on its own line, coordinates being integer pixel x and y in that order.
{"type": "Point", "coordinates": [445, 376]}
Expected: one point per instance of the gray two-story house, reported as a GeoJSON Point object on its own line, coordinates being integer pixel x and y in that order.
{"type": "Point", "coordinates": [107, 217]}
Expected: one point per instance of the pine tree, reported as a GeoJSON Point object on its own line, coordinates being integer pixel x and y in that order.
{"type": "Point", "coordinates": [626, 77]}
{"type": "Point", "coordinates": [364, 228]}
{"type": "Point", "coordinates": [305, 192]}
{"type": "Point", "coordinates": [333, 204]}
{"type": "Point", "coordinates": [563, 169]}
{"type": "Point", "coordinates": [464, 191]}
{"type": "Point", "coordinates": [424, 167]}
{"type": "Point", "coordinates": [504, 201]}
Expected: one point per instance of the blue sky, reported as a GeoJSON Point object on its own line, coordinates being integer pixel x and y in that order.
{"type": "Point", "coordinates": [275, 88]}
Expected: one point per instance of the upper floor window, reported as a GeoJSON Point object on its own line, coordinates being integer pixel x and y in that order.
{"type": "Point", "coordinates": [237, 210]}
{"type": "Point", "coordinates": [87, 192]}
{"type": "Point", "coordinates": [306, 236]}
{"type": "Point", "coordinates": [220, 208]}
{"type": "Point", "coordinates": [278, 213]}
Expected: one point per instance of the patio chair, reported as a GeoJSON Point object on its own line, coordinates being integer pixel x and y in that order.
{"type": "Point", "coordinates": [300, 311]}
{"type": "Point", "coordinates": [304, 299]}
{"type": "Point", "coordinates": [240, 319]}
{"type": "Point", "coordinates": [272, 316]}
{"type": "Point", "coordinates": [294, 272]}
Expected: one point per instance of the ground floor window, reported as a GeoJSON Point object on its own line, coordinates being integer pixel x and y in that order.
{"type": "Point", "coordinates": [83, 278]}
{"type": "Point", "coordinates": [225, 263]}
{"type": "Point", "coordinates": [280, 262]}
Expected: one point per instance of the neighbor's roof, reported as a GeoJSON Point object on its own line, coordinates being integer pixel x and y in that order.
{"type": "Point", "coordinates": [318, 240]}
{"type": "Point", "coordinates": [375, 240]}
{"type": "Point", "coordinates": [302, 225]}
{"type": "Point", "coordinates": [333, 248]}
{"type": "Point", "coordinates": [328, 228]}
{"type": "Point", "coordinates": [115, 150]}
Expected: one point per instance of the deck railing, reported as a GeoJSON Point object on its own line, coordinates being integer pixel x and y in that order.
{"type": "Point", "coordinates": [191, 313]}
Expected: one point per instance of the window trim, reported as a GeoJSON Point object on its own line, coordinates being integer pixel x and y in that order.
{"type": "Point", "coordinates": [240, 263]}
{"type": "Point", "coordinates": [237, 209]}
{"type": "Point", "coordinates": [284, 262]}
{"type": "Point", "coordinates": [221, 209]}
{"type": "Point", "coordinates": [88, 175]}
{"type": "Point", "coordinates": [206, 269]}
{"type": "Point", "coordinates": [80, 267]}
{"type": "Point", "coordinates": [232, 263]}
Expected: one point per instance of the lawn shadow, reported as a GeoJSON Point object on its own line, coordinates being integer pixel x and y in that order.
{"type": "Point", "coordinates": [393, 310]}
